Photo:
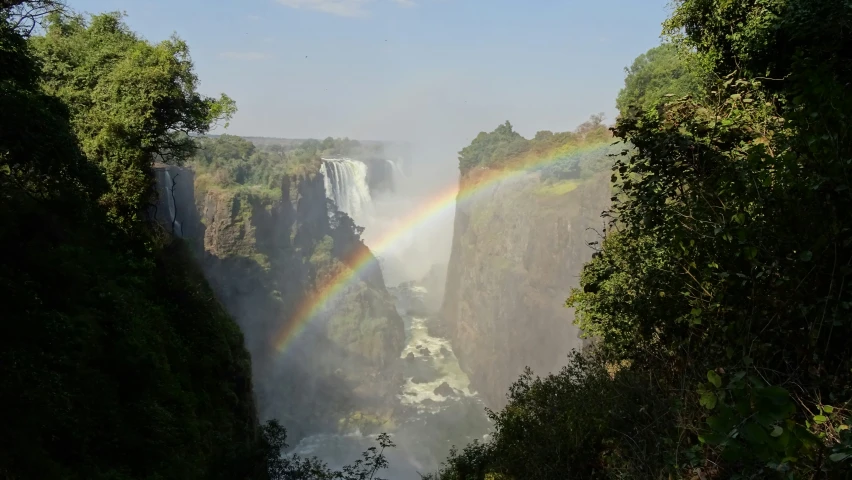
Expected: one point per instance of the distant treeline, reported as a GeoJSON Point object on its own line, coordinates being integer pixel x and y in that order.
{"type": "Point", "coordinates": [559, 156]}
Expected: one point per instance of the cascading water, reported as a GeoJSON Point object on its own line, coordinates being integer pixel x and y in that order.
{"type": "Point", "coordinates": [436, 408]}
{"type": "Point", "coordinates": [170, 188]}
{"type": "Point", "coordinates": [346, 183]}
{"type": "Point", "coordinates": [398, 175]}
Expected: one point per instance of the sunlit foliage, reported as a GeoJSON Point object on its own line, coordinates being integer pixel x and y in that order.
{"type": "Point", "coordinates": [130, 100]}
{"type": "Point", "coordinates": [660, 73]}
{"type": "Point", "coordinates": [557, 152]}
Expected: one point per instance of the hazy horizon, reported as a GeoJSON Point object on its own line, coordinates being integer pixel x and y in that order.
{"type": "Point", "coordinates": [423, 71]}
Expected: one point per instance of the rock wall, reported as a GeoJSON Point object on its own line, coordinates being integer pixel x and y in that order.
{"type": "Point", "coordinates": [263, 256]}
{"type": "Point", "coordinates": [518, 248]}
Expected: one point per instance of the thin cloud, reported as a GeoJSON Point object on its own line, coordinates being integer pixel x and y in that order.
{"type": "Point", "coordinates": [244, 55]}
{"type": "Point", "coordinates": [343, 8]}
{"type": "Point", "coordinates": [254, 18]}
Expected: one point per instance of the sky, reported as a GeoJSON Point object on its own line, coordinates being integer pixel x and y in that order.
{"type": "Point", "coordinates": [420, 70]}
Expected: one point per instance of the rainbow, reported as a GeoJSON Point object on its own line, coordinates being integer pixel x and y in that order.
{"type": "Point", "coordinates": [446, 199]}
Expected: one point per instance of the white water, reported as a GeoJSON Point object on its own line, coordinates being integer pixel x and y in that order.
{"type": "Point", "coordinates": [438, 408]}
{"type": "Point", "coordinates": [434, 423]}
{"type": "Point", "coordinates": [440, 357]}
{"type": "Point", "coordinates": [170, 188]}
{"type": "Point", "coordinates": [346, 184]}
{"type": "Point", "coordinates": [399, 177]}
{"type": "Point", "coordinates": [414, 249]}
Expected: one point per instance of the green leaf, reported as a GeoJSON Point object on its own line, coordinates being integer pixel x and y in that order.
{"type": "Point", "coordinates": [776, 431]}
{"type": "Point", "coordinates": [714, 378]}
{"type": "Point", "coordinates": [806, 256]}
{"type": "Point", "coordinates": [827, 408]}
{"type": "Point", "coordinates": [839, 457]}
{"type": "Point", "coordinates": [820, 419]}
{"type": "Point", "coordinates": [708, 400]}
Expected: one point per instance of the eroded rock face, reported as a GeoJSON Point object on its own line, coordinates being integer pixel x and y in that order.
{"type": "Point", "coordinates": [517, 251]}
{"type": "Point", "coordinates": [263, 256]}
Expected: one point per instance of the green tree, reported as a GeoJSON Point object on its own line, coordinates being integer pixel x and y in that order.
{"type": "Point", "coordinates": [719, 294]}
{"type": "Point", "coordinates": [662, 70]}
{"type": "Point", "coordinates": [131, 101]}
{"type": "Point", "coordinates": [112, 358]}
{"type": "Point", "coordinates": [295, 467]}
{"type": "Point", "coordinates": [486, 148]}
{"type": "Point", "coordinates": [732, 230]}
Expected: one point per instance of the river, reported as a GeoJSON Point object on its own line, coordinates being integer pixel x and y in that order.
{"type": "Point", "coordinates": [441, 410]}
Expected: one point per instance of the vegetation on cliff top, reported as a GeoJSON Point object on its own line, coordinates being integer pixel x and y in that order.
{"type": "Point", "coordinates": [231, 162]}
{"type": "Point", "coordinates": [719, 296]}
{"type": "Point", "coordinates": [504, 148]}
{"type": "Point", "coordinates": [228, 161]}
{"type": "Point", "coordinates": [236, 165]}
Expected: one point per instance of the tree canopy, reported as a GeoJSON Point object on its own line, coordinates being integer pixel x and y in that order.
{"type": "Point", "coordinates": [661, 71]}
{"type": "Point", "coordinates": [112, 357]}
{"type": "Point", "coordinates": [131, 101]}
{"type": "Point", "coordinates": [506, 148]}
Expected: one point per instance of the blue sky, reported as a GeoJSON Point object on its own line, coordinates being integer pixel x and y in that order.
{"type": "Point", "coordinates": [425, 70]}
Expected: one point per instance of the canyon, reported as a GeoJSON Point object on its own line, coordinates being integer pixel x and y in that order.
{"type": "Point", "coordinates": [420, 355]}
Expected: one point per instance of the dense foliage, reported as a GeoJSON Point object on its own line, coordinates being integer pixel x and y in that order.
{"type": "Point", "coordinates": [114, 352]}
{"type": "Point", "coordinates": [129, 101]}
{"type": "Point", "coordinates": [661, 71]}
{"type": "Point", "coordinates": [230, 161]}
{"type": "Point", "coordinates": [719, 297]}
{"type": "Point", "coordinates": [116, 361]}
{"type": "Point", "coordinates": [294, 467]}
{"type": "Point", "coordinates": [559, 154]}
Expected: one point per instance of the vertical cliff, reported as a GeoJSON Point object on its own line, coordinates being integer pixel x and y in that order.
{"type": "Point", "coordinates": [264, 253]}
{"type": "Point", "coordinates": [517, 250]}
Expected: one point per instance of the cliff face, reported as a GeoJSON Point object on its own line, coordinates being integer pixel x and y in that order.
{"type": "Point", "coordinates": [263, 255]}
{"type": "Point", "coordinates": [517, 251]}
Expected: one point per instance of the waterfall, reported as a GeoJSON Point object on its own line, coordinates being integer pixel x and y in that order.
{"type": "Point", "coordinates": [346, 183]}
{"type": "Point", "coordinates": [170, 189]}
{"type": "Point", "coordinates": [398, 175]}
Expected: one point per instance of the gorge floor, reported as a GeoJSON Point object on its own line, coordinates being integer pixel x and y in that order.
{"type": "Point", "coordinates": [439, 409]}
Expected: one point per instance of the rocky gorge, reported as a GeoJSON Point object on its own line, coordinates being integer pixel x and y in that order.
{"type": "Point", "coordinates": [421, 359]}
{"type": "Point", "coordinates": [517, 250]}
{"type": "Point", "coordinates": [263, 255]}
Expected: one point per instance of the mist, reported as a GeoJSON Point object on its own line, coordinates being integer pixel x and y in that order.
{"type": "Point", "coordinates": [414, 248]}
{"type": "Point", "coordinates": [424, 80]}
